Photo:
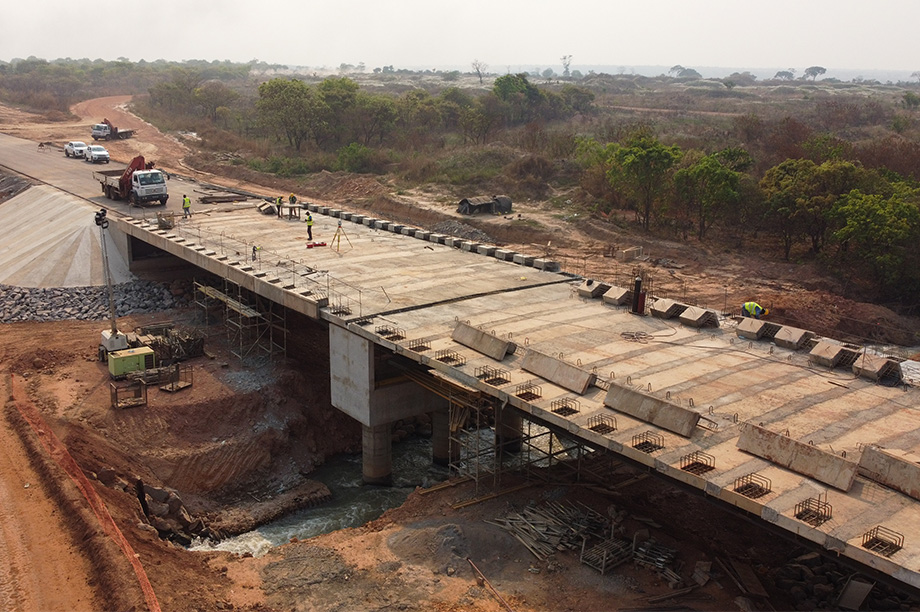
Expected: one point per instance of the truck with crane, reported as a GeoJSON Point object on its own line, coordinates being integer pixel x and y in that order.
{"type": "Point", "coordinates": [106, 131]}
{"type": "Point", "coordinates": [139, 183]}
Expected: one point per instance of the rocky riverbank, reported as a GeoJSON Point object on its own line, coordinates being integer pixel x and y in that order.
{"type": "Point", "coordinates": [89, 303]}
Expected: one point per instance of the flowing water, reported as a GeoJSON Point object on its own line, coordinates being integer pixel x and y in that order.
{"type": "Point", "coordinates": [352, 503]}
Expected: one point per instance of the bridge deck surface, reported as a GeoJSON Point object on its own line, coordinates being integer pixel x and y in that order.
{"type": "Point", "coordinates": [425, 289]}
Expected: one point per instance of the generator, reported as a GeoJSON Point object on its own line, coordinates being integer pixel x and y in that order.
{"type": "Point", "coordinates": [124, 362]}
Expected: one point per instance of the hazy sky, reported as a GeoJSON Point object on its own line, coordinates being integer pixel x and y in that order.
{"type": "Point", "coordinates": [836, 34]}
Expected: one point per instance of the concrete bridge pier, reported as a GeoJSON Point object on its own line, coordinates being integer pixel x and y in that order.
{"type": "Point", "coordinates": [364, 388]}
{"type": "Point", "coordinates": [509, 428]}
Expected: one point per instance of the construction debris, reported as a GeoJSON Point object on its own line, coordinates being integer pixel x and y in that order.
{"type": "Point", "coordinates": [553, 526]}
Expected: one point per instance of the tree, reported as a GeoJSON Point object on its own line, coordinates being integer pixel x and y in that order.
{"type": "Point", "coordinates": [373, 117]}
{"type": "Point", "coordinates": [676, 70]}
{"type": "Point", "coordinates": [814, 72]}
{"type": "Point", "coordinates": [213, 95]}
{"type": "Point", "coordinates": [910, 100]}
{"type": "Point", "coordinates": [916, 74]}
{"type": "Point", "coordinates": [785, 75]}
{"type": "Point", "coordinates": [548, 74]}
{"type": "Point", "coordinates": [882, 232]}
{"type": "Point", "coordinates": [289, 107]}
{"type": "Point", "coordinates": [566, 63]}
{"type": "Point", "coordinates": [784, 186]}
{"type": "Point", "coordinates": [479, 68]}
{"type": "Point", "coordinates": [642, 167]}
{"type": "Point", "coordinates": [708, 186]}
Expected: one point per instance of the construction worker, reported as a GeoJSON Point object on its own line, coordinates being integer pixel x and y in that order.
{"type": "Point", "coordinates": [186, 207]}
{"type": "Point", "coordinates": [753, 310]}
{"type": "Point", "coordinates": [292, 199]}
{"type": "Point", "coordinates": [278, 202]}
{"type": "Point", "coordinates": [309, 222]}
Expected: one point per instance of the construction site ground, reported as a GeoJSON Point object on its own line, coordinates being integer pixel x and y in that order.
{"type": "Point", "coordinates": [412, 558]}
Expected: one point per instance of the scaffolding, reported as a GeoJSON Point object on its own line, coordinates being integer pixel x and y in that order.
{"type": "Point", "coordinates": [256, 327]}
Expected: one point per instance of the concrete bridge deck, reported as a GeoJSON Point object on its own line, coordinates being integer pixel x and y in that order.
{"type": "Point", "coordinates": [803, 427]}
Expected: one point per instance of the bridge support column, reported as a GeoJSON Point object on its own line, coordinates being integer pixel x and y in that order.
{"type": "Point", "coordinates": [367, 388]}
{"type": "Point", "coordinates": [443, 449]}
{"type": "Point", "coordinates": [376, 455]}
{"type": "Point", "coordinates": [509, 426]}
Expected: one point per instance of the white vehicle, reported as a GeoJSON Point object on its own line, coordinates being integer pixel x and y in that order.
{"type": "Point", "coordinates": [96, 154]}
{"type": "Point", "coordinates": [75, 148]}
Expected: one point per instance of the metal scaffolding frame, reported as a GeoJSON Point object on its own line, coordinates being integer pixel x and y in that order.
{"type": "Point", "coordinates": [256, 327]}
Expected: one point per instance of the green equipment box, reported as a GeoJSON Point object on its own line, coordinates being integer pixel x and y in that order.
{"type": "Point", "coordinates": [122, 363]}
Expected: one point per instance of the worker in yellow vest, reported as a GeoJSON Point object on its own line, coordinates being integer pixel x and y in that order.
{"type": "Point", "coordinates": [186, 207]}
{"type": "Point", "coordinates": [309, 221]}
{"type": "Point", "coordinates": [753, 310]}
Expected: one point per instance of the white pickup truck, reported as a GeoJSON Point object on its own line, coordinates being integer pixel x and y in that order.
{"type": "Point", "coordinates": [75, 148]}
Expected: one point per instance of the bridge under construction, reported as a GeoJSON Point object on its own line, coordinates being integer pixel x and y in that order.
{"type": "Point", "coordinates": [807, 434]}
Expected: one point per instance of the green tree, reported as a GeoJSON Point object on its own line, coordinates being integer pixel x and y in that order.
{"type": "Point", "coordinates": [784, 186]}
{"type": "Point", "coordinates": [642, 167]}
{"type": "Point", "coordinates": [881, 232]}
{"type": "Point", "coordinates": [289, 108]}
{"type": "Point", "coordinates": [814, 72]}
{"type": "Point", "coordinates": [707, 187]}
{"type": "Point", "coordinates": [213, 95]}
{"type": "Point", "coordinates": [373, 117]}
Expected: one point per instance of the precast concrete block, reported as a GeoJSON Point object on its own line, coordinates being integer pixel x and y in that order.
{"type": "Point", "coordinates": [546, 265]}
{"type": "Point", "coordinates": [396, 228]}
{"type": "Point", "coordinates": [792, 337]}
{"type": "Point", "coordinates": [504, 254]}
{"type": "Point", "coordinates": [422, 234]}
{"type": "Point", "coordinates": [437, 238]}
{"type": "Point", "coordinates": [524, 260]}
{"type": "Point", "coordinates": [826, 353]}
{"type": "Point", "coordinates": [407, 231]}
{"type": "Point", "coordinates": [666, 308]}
{"type": "Point", "coordinates": [485, 249]}
{"type": "Point", "coordinates": [592, 289]}
{"type": "Point", "coordinates": [824, 466]}
{"type": "Point", "coordinates": [369, 221]}
{"type": "Point", "coordinates": [452, 241]}
{"type": "Point", "coordinates": [616, 296]}
{"type": "Point", "coordinates": [659, 412]}
{"type": "Point", "coordinates": [750, 329]}
{"type": "Point", "coordinates": [874, 367]}
{"type": "Point", "coordinates": [485, 343]}
{"type": "Point", "coordinates": [558, 372]}
{"type": "Point", "coordinates": [694, 316]}
{"type": "Point", "coordinates": [335, 212]}
{"type": "Point", "coordinates": [359, 219]}
{"type": "Point", "coordinates": [469, 246]}
{"type": "Point", "coordinates": [899, 470]}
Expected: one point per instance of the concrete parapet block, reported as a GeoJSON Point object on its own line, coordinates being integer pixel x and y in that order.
{"type": "Point", "coordinates": [378, 224]}
{"type": "Point", "coordinates": [452, 241]}
{"type": "Point", "coordinates": [616, 296]}
{"type": "Point", "coordinates": [558, 372]}
{"type": "Point", "coordinates": [396, 228]}
{"type": "Point", "coordinates": [483, 342]}
{"type": "Point", "coordinates": [369, 221]}
{"type": "Point", "coordinates": [469, 246]}
{"type": "Point", "coordinates": [504, 254]}
{"type": "Point", "coordinates": [422, 234]}
{"type": "Point", "coordinates": [323, 210]}
{"type": "Point", "coordinates": [792, 337]}
{"type": "Point", "coordinates": [407, 231]}
{"type": "Point", "coordinates": [659, 412]}
{"type": "Point", "coordinates": [485, 249]}
{"type": "Point", "coordinates": [694, 316]}
{"type": "Point", "coordinates": [524, 260]}
{"type": "Point", "coordinates": [346, 216]}
{"type": "Point", "coordinates": [546, 265]}
{"type": "Point", "coordinates": [359, 219]}
{"type": "Point", "coordinates": [823, 466]}
{"type": "Point", "coordinates": [901, 473]}
{"type": "Point", "coordinates": [335, 212]}
{"type": "Point", "coordinates": [437, 238]}
{"type": "Point", "coordinates": [826, 353]}
{"type": "Point", "coordinates": [313, 207]}
{"type": "Point", "coordinates": [592, 289]}
{"type": "Point", "coordinates": [666, 308]}
{"type": "Point", "coordinates": [750, 329]}
{"type": "Point", "coordinates": [875, 367]}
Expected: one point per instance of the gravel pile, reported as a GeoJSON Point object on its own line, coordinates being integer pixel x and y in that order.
{"type": "Point", "coordinates": [86, 303]}
{"type": "Point", "coordinates": [462, 230]}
